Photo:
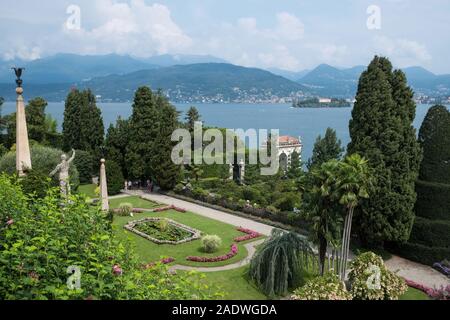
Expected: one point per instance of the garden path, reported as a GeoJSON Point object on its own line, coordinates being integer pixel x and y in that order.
{"type": "Point", "coordinates": [207, 212]}
{"type": "Point", "coordinates": [417, 272]}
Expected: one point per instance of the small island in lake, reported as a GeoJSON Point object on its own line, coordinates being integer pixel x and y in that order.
{"type": "Point", "coordinates": [322, 103]}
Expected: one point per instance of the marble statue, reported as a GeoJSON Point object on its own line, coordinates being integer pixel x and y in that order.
{"type": "Point", "coordinates": [63, 169]}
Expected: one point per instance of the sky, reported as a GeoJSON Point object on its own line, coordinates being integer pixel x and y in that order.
{"type": "Point", "coordinates": [292, 35]}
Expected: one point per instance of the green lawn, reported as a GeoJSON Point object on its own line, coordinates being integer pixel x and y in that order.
{"type": "Point", "coordinates": [234, 284]}
{"type": "Point", "coordinates": [136, 201]}
{"type": "Point", "coordinates": [150, 252]}
{"type": "Point", "coordinates": [88, 190]}
{"type": "Point", "coordinates": [414, 294]}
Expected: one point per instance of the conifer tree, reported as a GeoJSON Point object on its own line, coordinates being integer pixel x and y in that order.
{"type": "Point", "coordinates": [116, 143]}
{"type": "Point", "coordinates": [143, 130]}
{"type": "Point", "coordinates": [192, 116]}
{"type": "Point", "coordinates": [381, 131]}
{"type": "Point", "coordinates": [71, 124]}
{"type": "Point", "coordinates": [326, 149]}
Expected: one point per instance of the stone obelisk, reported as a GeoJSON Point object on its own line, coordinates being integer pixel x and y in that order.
{"type": "Point", "coordinates": [103, 187]}
{"type": "Point", "coordinates": [23, 156]}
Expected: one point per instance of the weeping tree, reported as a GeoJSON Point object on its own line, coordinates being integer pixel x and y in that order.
{"type": "Point", "coordinates": [282, 261]}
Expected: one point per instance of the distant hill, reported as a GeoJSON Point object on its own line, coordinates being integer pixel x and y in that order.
{"type": "Point", "coordinates": [167, 60]}
{"type": "Point", "coordinates": [67, 68]}
{"type": "Point", "coordinates": [326, 80]}
{"type": "Point", "coordinates": [291, 75]}
{"type": "Point", "coordinates": [198, 82]}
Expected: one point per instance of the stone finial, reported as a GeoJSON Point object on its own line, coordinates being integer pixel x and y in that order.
{"type": "Point", "coordinates": [103, 186]}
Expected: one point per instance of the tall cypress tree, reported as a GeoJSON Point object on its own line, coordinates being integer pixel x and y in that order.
{"type": "Point", "coordinates": [116, 143]}
{"type": "Point", "coordinates": [381, 131]}
{"type": "Point", "coordinates": [166, 173]}
{"type": "Point", "coordinates": [143, 131]}
{"type": "Point", "coordinates": [83, 127]}
{"type": "Point", "coordinates": [71, 124]}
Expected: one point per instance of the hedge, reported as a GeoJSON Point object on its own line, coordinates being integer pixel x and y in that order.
{"type": "Point", "coordinates": [422, 254]}
{"type": "Point", "coordinates": [433, 200]}
{"type": "Point", "coordinates": [431, 233]}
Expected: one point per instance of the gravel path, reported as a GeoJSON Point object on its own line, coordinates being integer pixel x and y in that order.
{"type": "Point", "coordinates": [410, 270]}
{"type": "Point", "coordinates": [417, 272]}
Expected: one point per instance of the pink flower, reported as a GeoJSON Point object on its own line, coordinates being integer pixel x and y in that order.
{"type": "Point", "coordinates": [229, 255]}
{"type": "Point", "coordinates": [10, 222]}
{"type": "Point", "coordinates": [117, 270]}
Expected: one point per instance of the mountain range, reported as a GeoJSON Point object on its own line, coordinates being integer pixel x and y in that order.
{"type": "Point", "coordinates": [193, 78]}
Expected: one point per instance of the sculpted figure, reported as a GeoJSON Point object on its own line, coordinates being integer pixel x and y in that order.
{"type": "Point", "coordinates": [63, 169]}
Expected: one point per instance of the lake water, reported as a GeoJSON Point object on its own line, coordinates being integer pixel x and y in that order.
{"type": "Point", "coordinates": [304, 123]}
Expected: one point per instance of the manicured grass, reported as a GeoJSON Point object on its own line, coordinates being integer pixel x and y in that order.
{"type": "Point", "coordinates": [414, 294]}
{"type": "Point", "coordinates": [88, 190]}
{"type": "Point", "coordinates": [136, 201]}
{"type": "Point", "coordinates": [234, 283]}
{"type": "Point", "coordinates": [150, 251]}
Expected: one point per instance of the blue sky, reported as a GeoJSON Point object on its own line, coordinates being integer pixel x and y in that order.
{"type": "Point", "coordinates": [286, 34]}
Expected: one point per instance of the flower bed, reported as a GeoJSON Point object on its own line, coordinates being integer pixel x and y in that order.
{"type": "Point", "coordinates": [174, 233]}
{"type": "Point", "coordinates": [172, 207]}
{"type": "Point", "coordinates": [438, 294]}
{"type": "Point", "coordinates": [162, 261]}
{"type": "Point", "coordinates": [250, 234]}
{"type": "Point", "coordinates": [229, 255]}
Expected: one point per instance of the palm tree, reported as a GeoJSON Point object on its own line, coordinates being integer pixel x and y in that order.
{"type": "Point", "coordinates": [321, 207]}
{"type": "Point", "coordinates": [353, 186]}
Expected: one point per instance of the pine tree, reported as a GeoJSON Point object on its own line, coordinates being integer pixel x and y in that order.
{"type": "Point", "coordinates": [295, 169]}
{"type": "Point", "coordinates": [143, 131]}
{"type": "Point", "coordinates": [381, 131]}
{"type": "Point", "coordinates": [326, 149]}
{"type": "Point", "coordinates": [192, 116]}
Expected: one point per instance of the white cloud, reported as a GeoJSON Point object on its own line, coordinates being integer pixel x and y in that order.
{"type": "Point", "coordinates": [403, 52]}
{"type": "Point", "coordinates": [134, 28]}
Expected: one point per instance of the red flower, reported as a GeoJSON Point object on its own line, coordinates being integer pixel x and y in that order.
{"type": "Point", "coordinates": [117, 270]}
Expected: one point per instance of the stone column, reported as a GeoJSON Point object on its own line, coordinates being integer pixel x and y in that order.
{"type": "Point", "coordinates": [103, 187]}
{"type": "Point", "coordinates": [23, 156]}
{"type": "Point", "coordinates": [242, 171]}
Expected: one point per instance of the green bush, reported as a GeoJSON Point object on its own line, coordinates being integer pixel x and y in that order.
{"type": "Point", "coordinates": [44, 160]}
{"type": "Point", "coordinates": [431, 233]}
{"type": "Point", "coordinates": [422, 254]}
{"type": "Point", "coordinates": [84, 161]}
{"type": "Point", "coordinates": [40, 240]}
{"type": "Point", "coordinates": [35, 183]}
{"type": "Point", "coordinates": [3, 149]}
{"type": "Point", "coordinates": [114, 177]}
{"type": "Point", "coordinates": [288, 202]}
{"type": "Point", "coordinates": [433, 200]}
{"type": "Point", "coordinates": [328, 287]}
{"type": "Point", "coordinates": [211, 243]}
{"type": "Point", "coordinates": [366, 266]}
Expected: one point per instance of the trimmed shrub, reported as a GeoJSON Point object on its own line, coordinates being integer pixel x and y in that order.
{"type": "Point", "coordinates": [114, 177]}
{"type": "Point", "coordinates": [433, 200]}
{"type": "Point", "coordinates": [125, 209]}
{"type": "Point", "coordinates": [328, 287]}
{"type": "Point", "coordinates": [431, 233]}
{"type": "Point", "coordinates": [44, 160]}
{"type": "Point", "coordinates": [84, 161]}
{"type": "Point", "coordinates": [211, 243]}
{"type": "Point", "coordinates": [422, 254]}
{"type": "Point", "coordinates": [366, 266]}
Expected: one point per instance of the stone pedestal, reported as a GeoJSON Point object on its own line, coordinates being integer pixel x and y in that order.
{"type": "Point", "coordinates": [23, 156]}
{"type": "Point", "coordinates": [103, 187]}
